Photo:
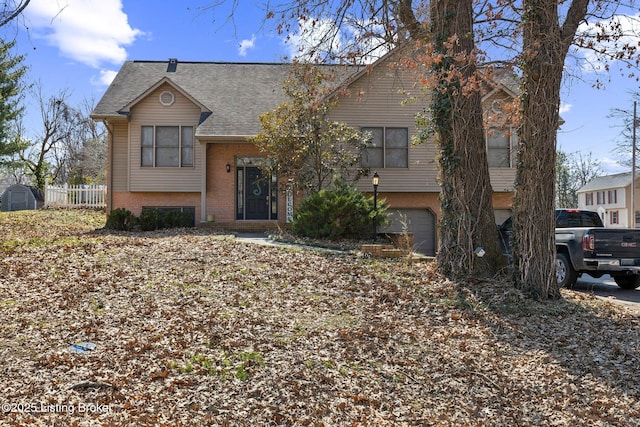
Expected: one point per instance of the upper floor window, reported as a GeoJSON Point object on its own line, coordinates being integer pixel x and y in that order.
{"type": "Point", "coordinates": [600, 196]}
{"type": "Point", "coordinates": [388, 148]}
{"type": "Point", "coordinates": [167, 146]}
{"type": "Point", "coordinates": [612, 196]}
{"type": "Point", "coordinates": [499, 148]}
{"type": "Point", "coordinates": [588, 199]}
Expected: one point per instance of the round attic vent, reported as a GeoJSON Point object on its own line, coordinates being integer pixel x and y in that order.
{"type": "Point", "coordinates": [167, 98]}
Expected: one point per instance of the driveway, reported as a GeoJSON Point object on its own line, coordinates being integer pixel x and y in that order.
{"type": "Point", "coordinates": [605, 287]}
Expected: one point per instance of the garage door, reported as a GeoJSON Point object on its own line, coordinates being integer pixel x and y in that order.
{"type": "Point", "coordinates": [420, 222]}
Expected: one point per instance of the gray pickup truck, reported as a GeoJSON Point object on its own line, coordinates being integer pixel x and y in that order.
{"type": "Point", "coordinates": [584, 245]}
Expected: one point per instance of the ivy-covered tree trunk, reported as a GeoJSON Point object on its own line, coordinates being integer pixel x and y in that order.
{"type": "Point", "coordinates": [545, 45]}
{"type": "Point", "coordinates": [467, 221]}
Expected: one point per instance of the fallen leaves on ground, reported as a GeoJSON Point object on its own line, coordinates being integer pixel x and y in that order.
{"type": "Point", "coordinates": [192, 328]}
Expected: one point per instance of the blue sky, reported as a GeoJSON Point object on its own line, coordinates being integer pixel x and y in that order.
{"type": "Point", "coordinates": [79, 45]}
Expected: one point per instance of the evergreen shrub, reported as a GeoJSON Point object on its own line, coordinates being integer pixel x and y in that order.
{"type": "Point", "coordinates": [337, 213]}
{"type": "Point", "coordinates": [121, 219]}
{"type": "Point", "coordinates": [150, 219]}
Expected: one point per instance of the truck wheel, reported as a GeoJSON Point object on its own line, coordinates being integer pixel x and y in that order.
{"type": "Point", "coordinates": [628, 282]}
{"type": "Point", "coordinates": [565, 274]}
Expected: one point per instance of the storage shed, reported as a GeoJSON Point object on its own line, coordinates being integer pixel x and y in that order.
{"type": "Point", "coordinates": [20, 197]}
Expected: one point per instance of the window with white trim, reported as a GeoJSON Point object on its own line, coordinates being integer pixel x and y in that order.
{"type": "Point", "coordinates": [499, 148]}
{"type": "Point", "coordinates": [388, 148]}
{"type": "Point", "coordinates": [167, 146]}
{"type": "Point", "coordinates": [612, 196]}
{"type": "Point", "coordinates": [613, 217]}
{"type": "Point", "coordinates": [588, 199]}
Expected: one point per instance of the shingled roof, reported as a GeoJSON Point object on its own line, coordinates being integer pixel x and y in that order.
{"type": "Point", "coordinates": [618, 180]}
{"type": "Point", "coordinates": [233, 95]}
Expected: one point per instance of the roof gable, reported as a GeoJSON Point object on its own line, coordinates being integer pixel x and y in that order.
{"type": "Point", "coordinates": [165, 80]}
{"type": "Point", "coordinates": [232, 94]}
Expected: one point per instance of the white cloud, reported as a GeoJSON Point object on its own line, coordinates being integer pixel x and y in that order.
{"type": "Point", "coordinates": [309, 35]}
{"type": "Point", "coordinates": [246, 45]}
{"type": "Point", "coordinates": [605, 51]}
{"type": "Point", "coordinates": [565, 108]}
{"type": "Point", "coordinates": [87, 31]}
{"type": "Point", "coordinates": [612, 166]}
{"type": "Point", "coordinates": [105, 78]}
{"type": "Point", "coordinates": [316, 37]}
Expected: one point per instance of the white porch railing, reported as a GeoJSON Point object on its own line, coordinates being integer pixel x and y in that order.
{"type": "Point", "coordinates": [75, 196]}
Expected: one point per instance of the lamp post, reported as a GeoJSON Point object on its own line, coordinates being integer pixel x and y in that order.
{"type": "Point", "coordinates": [375, 181]}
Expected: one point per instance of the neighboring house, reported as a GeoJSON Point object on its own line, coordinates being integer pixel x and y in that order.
{"type": "Point", "coordinates": [610, 196]}
{"type": "Point", "coordinates": [178, 140]}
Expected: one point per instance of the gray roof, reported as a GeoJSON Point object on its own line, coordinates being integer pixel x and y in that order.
{"type": "Point", "coordinates": [619, 180]}
{"type": "Point", "coordinates": [232, 95]}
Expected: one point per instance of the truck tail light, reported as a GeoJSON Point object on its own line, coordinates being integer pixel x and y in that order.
{"type": "Point", "coordinates": [588, 242]}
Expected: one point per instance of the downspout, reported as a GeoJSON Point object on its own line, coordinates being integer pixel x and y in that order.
{"type": "Point", "coordinates": [203, 184]}
{"type": "Point", "coordinates": [110, 168]}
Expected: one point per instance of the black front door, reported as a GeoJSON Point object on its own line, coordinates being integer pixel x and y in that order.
{"type": "Point", "coordinates": [256, 194]}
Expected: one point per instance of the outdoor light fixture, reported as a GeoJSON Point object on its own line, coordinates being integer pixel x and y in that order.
{"type": "Point", "coordinates": [228, 168]}
{"type": "Point", "coordinates": [375, 181]}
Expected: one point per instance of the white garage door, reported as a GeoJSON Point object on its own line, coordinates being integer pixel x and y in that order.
{"type": "Point", "coordinates": [420, 222]}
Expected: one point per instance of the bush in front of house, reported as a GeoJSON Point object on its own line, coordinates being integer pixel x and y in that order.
{"type": "Point", "coordinates": [150, 219]}
{"type": "Point", "coordinates": [121, 219]}
{"type": "Point", "coordinates": [176, 219]}
{"type": "Point", "coordinates": [337, 213]}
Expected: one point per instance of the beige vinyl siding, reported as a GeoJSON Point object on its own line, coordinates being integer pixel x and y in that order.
{"type": "Point", "coordinates": [378, 99]}
{"type": "Point", "coordinates": [388, 97]}
{"type": "Point", "coordinates": [150, 112]}
{"type": "Point", "coordinates": [120, 159]}
{"type": "Point", "coordinates": [502, 179]}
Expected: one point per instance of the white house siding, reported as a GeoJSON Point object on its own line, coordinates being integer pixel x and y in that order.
{"type": "Point", "coordinates": [150, 112]}
{"type": "Point", "coordinates": [605, 209]}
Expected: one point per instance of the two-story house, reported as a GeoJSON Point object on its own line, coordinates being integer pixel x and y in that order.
{"type": "Point", "coordinates": [610, 196]}
{"type": "Point", "coordinates": [178, 140]}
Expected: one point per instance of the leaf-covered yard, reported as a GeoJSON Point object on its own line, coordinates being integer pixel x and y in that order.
{"type": "Point", "coordinates": [192, 328]}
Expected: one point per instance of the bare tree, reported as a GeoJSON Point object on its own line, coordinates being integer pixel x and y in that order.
{"type": "Point", "coordinates": [626, 121]}
{"type": "Point", "coordinates": [45, 157]}
{"type": "Point", "coordinates": [10, 10]}
{"type": "Point", "coordinates": [573, 171]}
{"type": "Point", "coordinates": [549, 30]}
{"type": "Point", "coordinates": [467, 219]}
{"type": "Point", "coordinates": [83, 156]}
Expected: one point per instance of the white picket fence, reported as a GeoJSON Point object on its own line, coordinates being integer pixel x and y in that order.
{"type": "Point", "coordinates": [75, 196]}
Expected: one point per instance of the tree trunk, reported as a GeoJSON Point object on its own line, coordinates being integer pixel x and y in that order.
{"type": "Point", "coordinates": [534, 217]}
{"type": "Point", "coordinates": [467, 220]}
